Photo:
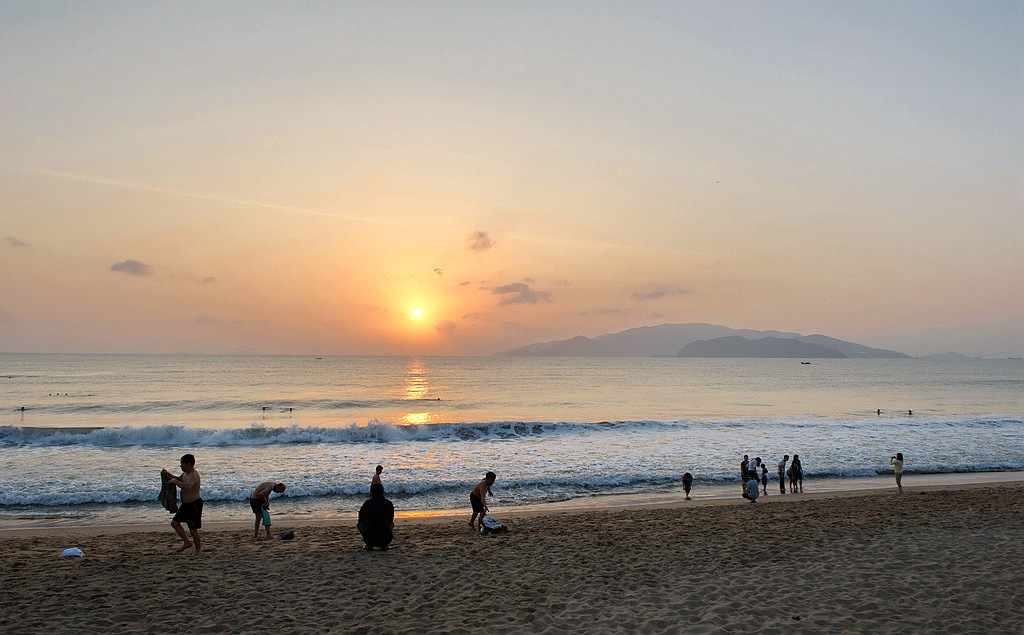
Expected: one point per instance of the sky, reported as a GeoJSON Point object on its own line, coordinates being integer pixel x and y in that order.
{"type": "Point", "coordinates": [298, 178]}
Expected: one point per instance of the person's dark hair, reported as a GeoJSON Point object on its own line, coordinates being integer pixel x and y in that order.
{"type": "Point", "coordinates": [380, 468]}
{"type": "Point", "coordinates": [188, 459]}
{"type": "Point", "coordinates": [279, 487]}
{"type": "Point", "coordinates": [491, 475]}
{"type": "Point", "coordinates": [899, 456]}
{"type": "Point", "coordinates": [376, 491]}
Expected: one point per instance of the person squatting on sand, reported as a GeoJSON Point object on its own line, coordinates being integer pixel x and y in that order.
{"type": "Point", "coordinates": [478, 499]}
{"type": "Point", "coordinates": [191, 510]}
{"type": "Point", "coordinates": [259, 500]}
{"type": "Point", "coordinates": [751, 491]}
{"type": "Point", "coordinates": [377, 520]}
{"type": "Point", "coordinates": [782, 473]}
{"type": "Point", "coordinates": [897, 467]}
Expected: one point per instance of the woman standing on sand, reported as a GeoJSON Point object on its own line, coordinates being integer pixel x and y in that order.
{"type": "Point", "coordinates": [897, 466]}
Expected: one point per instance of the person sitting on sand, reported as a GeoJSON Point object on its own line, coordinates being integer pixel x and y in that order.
{"type": "Point", "coordinates": [478, 499]}
{"type": "Point", "coordinates": [750, 490]}
{"type": "Point", "coordinates": [687, 482]}
{"type": "Point", "coordinates": [782, 473]}
{"type": "Point", "coordinates": [897, 466]}
{"type": "Point", "coordinates": [377, 520]}
{"type": "Point", "coordinates": [259, 500]}
{"type": "Point", "coordinates": [191, 510]}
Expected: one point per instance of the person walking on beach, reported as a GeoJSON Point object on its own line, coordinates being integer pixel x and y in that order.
{"type": "Point", "coordinates": [750, 491]}
{"type": "Point", "coordinates": [191, 510]}
{"type": "Point", "coordinates": [897, 466]}
{"type": "Point", "coordinates": [478, 499]}
{"type": "Point", "coordinates": [796, 474]}
{"type": "Point", "coordinates": [687, 482]}
{"type": "Point", "coordinates": [377, 520]}
{"type": "Point", "coordinates": [259, 500]}
{"type": "Point", "coordinates": [782, 473]}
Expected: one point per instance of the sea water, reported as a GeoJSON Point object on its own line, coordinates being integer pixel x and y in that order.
{"type": "Point", "coordinates": [83, 437]}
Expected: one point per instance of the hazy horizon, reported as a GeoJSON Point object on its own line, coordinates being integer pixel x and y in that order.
{"type": "Point", "coordinates": [449, 179]}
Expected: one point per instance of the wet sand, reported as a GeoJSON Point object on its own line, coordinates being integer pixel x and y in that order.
{"type": "Point", "coordinates": [934, 559]}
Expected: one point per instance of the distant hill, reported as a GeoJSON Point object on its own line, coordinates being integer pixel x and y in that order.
{"type": "Point", "coordinates": [736, 346]}
{"type": "Point", "coordinates": [666, 340]}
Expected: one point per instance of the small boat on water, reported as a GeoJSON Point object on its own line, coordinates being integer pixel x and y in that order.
{"type": "Point", "coordinates": [805, 362]}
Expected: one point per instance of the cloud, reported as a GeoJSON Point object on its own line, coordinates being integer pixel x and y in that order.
{"type": "Point", "coordinates": [133, 268]}
{"type": "Point", "coordinates": [480, 241]}
{"type": "Point", "coordinates": [446, 327]}
{"type": "Point", "coordinates": [208, 280]}
{"type": "Point", "coordinates": [519, 293]}
{"type": "Point", "coordinates": [658, 293]}
{"type": "Point", "coordinates": [605, 312]}
{"type": "Point", "coordinates": [439, 271]}
{"type": "Point", "coordinates": [13, 242]}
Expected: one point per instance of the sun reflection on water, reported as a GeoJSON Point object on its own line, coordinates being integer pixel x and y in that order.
{"type": "Point", "coordinates": [416, 381]}
{"type": "Point", "coordinates": [416, 418]}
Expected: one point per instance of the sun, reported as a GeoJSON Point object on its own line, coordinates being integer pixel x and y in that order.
{"type": "Point", "coordinates": [417, 313]}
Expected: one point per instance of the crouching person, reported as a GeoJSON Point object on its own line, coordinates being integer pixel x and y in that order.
{"type": "Point", "coordinates": [377, 520]}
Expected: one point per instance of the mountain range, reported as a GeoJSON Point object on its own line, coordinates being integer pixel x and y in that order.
{"type": "Point", "coordinates": [700, 340]}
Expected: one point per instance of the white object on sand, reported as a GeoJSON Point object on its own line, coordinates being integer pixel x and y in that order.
{"type": "Point", "coordinates": [73, 552]}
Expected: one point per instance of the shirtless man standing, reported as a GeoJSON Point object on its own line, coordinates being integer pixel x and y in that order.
{"type": "Point", "coordinates": [191, 510]}
{"type": "Point", "coordinates": [478, 499]}
{"type": "Point", "coordinates": [259, 500]}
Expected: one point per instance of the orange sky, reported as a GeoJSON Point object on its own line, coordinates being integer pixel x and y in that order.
{"type": "Point", "coordinates": [186, 179]}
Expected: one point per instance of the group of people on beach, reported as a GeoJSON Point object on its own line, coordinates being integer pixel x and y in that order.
{"type": "Point", "coordinates": [754, 473]}
{"type": "Point", "coordinates": [376, 520]}
{"type": "Point", "coordinates": [377, 514]}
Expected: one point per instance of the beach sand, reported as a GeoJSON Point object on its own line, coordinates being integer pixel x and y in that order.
{"type": "Point", "coordinates": [931, 560]}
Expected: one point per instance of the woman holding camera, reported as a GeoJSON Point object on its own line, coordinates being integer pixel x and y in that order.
{"type": "Point", "coordinates": [897, 463]}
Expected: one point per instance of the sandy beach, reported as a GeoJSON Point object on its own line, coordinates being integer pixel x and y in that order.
{"type": "Point", "coordinates": [931, 560]}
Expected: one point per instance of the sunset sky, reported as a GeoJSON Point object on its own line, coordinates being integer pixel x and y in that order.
{"type": "Point", "coordinates": [214, 177]}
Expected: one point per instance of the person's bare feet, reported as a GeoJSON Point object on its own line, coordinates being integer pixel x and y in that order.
{"type": "Point", "coordinates": [185, 547]}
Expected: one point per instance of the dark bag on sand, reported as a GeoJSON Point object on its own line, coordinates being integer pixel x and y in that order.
{"type": "Point", "coordinates": [288, 535]}
{"type": "Point", "coordinates": [492, 525]}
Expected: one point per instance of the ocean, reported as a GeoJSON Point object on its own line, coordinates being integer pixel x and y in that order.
{"type": "Point", "coordinates": [83, 437]}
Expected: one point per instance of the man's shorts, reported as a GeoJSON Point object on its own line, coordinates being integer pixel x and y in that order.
{"type": "Point", "coordinates": [191, 514]}
{"type": "Point", "coordinates": [478, 505]}
{"type": "Point", "coordinates": [257, 506]}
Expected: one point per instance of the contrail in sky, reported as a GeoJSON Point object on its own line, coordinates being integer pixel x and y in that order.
{"type": "Point", "coordinates": [170, 191]}
{"type": "Point", "coordinates": [200, 195]}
